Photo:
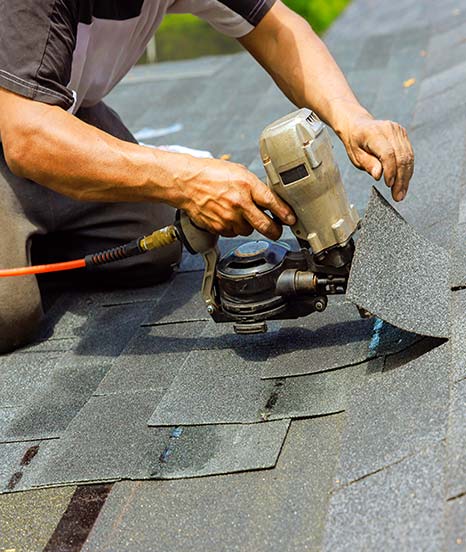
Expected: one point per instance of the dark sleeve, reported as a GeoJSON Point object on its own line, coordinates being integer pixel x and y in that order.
{"type": "Point", "coordinates": [37, 40]}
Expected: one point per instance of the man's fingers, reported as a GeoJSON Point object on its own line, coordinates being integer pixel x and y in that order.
{"type": "Point", "coordinates": [262, 223]}
{"type": "Point", "coordinates": [264, 197]}
{"type": "Point", "coordinates": [405, 164]}
{"type": "Point", "coordinates": [370, 164]}
{"type": "Point", "coordinates": [383, 149]}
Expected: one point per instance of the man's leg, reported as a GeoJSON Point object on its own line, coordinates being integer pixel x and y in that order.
{"type": "Point", "coordinates": [20, 218]}
{"type": "Point", "coordinates": [85, 227]}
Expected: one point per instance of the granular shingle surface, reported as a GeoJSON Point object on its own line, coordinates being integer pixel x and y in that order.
{"type": "Point", "coordinates": [395, 271]}
{"type": "Point", "coordinates": [376, 460]}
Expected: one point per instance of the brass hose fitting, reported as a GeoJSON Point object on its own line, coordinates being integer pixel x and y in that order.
{"type": "Point", "coordinates": [159, 238]}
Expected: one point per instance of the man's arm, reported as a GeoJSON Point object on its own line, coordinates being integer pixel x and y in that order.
{"type": "Point", "coordinates": [304, 69]}
{"type": "Point", "coordinates": [50, 146]}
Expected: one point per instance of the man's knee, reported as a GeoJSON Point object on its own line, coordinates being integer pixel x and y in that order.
{"type": "Point", "coordinates": [20, 317]}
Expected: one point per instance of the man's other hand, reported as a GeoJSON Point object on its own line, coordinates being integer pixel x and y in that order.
{"type": "Point", "coordinates": [381, 147]}
{"type": "Point", "coordinates": [227, 199]}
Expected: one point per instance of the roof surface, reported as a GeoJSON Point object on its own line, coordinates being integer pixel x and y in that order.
{"type": "Point", "coordinates": [328, 433]}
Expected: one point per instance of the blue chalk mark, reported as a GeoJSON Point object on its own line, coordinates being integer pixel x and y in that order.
{"type": "Point", "coordinates": [177, 432]}
{"type": "Point", "coordinates": [168, 451]}
{"type": "Point", "coordinates": [375, 339]}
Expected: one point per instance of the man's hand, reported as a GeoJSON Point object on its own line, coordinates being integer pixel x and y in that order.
{"type": "Point", "coordinates": [225, 198]}
{"type": "Point", "coordinates": [381, 147]}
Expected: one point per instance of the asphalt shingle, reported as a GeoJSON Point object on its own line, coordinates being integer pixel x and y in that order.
{"type": "Point", "coordinates": [333, 339]}
{"type": "Point", "coordinates": [399, 508]}
{"type": "Point", "coordinates": [394, 414]}
{"type": "Point", "coordinates": [456, 442]}
{"type": "Point", "coordinates": [458, 340]}
{"type": "Point", "coordinates": [395, 280]}
{"type": "Point", "coordinates": [220, 387]}
{"type": "Point", "coordinates": [49, 411]}
{"type": "Point", "coordinates": [27, 520]}
{"type": "Point", "coordinates": [109, 440]}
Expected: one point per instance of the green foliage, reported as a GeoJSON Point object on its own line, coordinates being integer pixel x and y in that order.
{"type": "Point", "coordinates": [186, 36]}
{"type": "Point", "coordinates": [319, 13]}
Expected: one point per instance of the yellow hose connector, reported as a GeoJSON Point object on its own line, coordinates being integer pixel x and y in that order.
{"type": "Point", "coordinates": [159, 238]}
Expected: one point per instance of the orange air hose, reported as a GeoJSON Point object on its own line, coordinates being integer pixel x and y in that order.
{"type": "Point", "coordinates": [159, 238]}
{"type": "Point", "coordinates": [42, 269]}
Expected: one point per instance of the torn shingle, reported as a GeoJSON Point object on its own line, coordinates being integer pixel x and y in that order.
{"type": "Point", "coordinates": [398, 275]}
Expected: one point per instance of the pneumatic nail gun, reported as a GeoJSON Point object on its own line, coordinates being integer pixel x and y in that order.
{"type": "Point", "coordinates": [262, 280]}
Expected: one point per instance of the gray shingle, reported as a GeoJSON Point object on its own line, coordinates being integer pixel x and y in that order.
{"type": "Point", "coordinates": [12, 461]}
{"type": "Point", "coordinates": [152, 359]}
{"type": "Point", "coordinates": [181, 302]}
{"type": "Point", "coordinates": [395, 270]}
{"type": "Point", "coordinates": [336, 338]}
{"type": "Point", "coordinates": [447, 49]}
{"type": "Point", "coordinates": [221, 387]}
{"type": "Point", "coordinates": [108, 333]}
{"type": "Point", "coordinates": [375, 52]}
{"type": "Point", "coordinates": [456, 514]}
{"type": "Point", "coordinates": [49, 411]}
{"type": "Point", "coordinates": [274, 510]}
{"type": "Point", "coordinates": [398, 508]}
{"type": "Point", "coordinates": [109, 440]}
{"type": "Point", "coordinates": [456, 441]}
{"type": "Point", "coordinates": [213, 450]}
{"type": "Point", "coordinates": [23, 375]}
{"type": "Point", "coordinates": [394, 414]}
{"type": "Point", "coordinates": [458, 340]}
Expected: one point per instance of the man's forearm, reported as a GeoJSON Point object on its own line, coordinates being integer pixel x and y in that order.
{"type": "Point", "coordinates": [55, 149]}
{"type": "Point", "coordinates": [302, 66]}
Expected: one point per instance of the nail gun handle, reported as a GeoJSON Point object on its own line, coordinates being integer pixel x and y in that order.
{"type": "Point", "coordinates": [195, 239]}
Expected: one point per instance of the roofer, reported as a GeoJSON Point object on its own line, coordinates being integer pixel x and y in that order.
{"type": "Point", "coordinates": [74, 180]}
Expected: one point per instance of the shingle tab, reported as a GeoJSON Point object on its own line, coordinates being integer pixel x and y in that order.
{"type": "Point", "coordinates": [152, 359]}
{"type": "Point", "coordinates": [336, 338]}
{"type": "Point", "coordinates": [109, 440]}
{"type": "Point", "coordinates": [49, 411]}
{"type": "Point", "coordinates": [221, 387]}
{"type": "Point", "coordinates": [395, 271]}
